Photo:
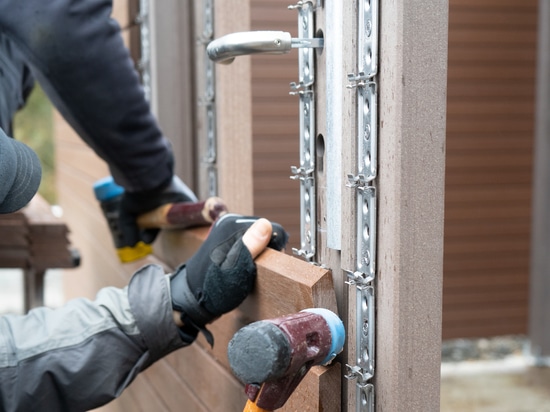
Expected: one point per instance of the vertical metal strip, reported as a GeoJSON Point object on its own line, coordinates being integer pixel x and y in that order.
{"type": "Point", "coordinates": [367, 37]}
{"type": "Point", "coordinates": [144, 64]}
{"type": "Point", "coordinates": [367, 138]}
{"type": "Point", "coordinates": [365, 397]}
{"type": "Point", "coordinates": [365, 337]}
{"type": "Point", "coordinates": [306, 172]}
{"type": "Point", "coordinates": [363, 276]}
{"type": "Point", "coordinates": [209, 101]}
{"type": "Point", "coordinates": [366, 230]}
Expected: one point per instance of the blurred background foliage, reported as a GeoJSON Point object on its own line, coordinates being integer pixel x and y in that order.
{"type": "Point", "coordinates": [33, 125]}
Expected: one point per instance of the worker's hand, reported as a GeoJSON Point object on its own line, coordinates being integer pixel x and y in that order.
{"type": "Point", "coordinates": [134, 204]}
{"type": "Point", "coordinates": [222, 272]}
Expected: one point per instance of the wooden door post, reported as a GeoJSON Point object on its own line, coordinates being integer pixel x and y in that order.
{"type": "Point", "coordinates": [234, 112]}
{"type": "Point", "coordinates": [412, 108]}
{"type": "Point", "coordinates": [539, 304]}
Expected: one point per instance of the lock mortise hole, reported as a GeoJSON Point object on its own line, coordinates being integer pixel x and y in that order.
{"type": "Point", "coordinates": [319, 35]}
{"type": "Point", "coordinates": [320, 151]}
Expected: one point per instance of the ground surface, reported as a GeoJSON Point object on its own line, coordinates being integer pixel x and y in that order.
{"type": "Point", "coordinates": [492, 375]}
{"type": "Point", "coordinates": [487, 375]}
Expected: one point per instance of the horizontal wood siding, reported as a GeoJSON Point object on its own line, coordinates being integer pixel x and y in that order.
{"type": "Point", "coordinates": [492, 52]}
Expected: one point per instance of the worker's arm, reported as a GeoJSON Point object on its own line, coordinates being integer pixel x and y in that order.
{"type": "Point", "coordinates": [84, 354]}
{"type": "Point", "coordinates": [75, 50]}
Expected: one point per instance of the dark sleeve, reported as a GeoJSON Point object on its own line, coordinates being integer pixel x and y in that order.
{"type": "Point", "coordinates": [76, 52]}
{"type": "Point", "coordinates": [84, 354]}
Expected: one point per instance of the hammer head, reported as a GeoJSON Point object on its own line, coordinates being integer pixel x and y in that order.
{"type": "Point", "coordinates": [272, 356]}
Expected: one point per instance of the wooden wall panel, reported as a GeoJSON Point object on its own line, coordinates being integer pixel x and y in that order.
{"type": "Point", "coordinates": [275, 123]}
{"type": "Point", "coordinates": [492, 51]}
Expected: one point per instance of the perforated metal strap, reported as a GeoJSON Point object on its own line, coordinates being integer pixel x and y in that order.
{"type": "Point", "coordinates": [364, 82]}
{"type": "Point", "coordinates": [305, 173]}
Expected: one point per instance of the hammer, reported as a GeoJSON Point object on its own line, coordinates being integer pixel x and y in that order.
{"type": "Point", "coordinates": [179, 215]}
{"type": "Point", "coordinates": [272, 356]}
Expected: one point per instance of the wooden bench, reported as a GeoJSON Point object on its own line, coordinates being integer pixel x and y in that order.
{"type": "Point", "coordinates": [34, 240]}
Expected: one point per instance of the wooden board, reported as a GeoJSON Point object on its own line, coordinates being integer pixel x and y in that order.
{"type": "Point", "coordinates": [490, 119]}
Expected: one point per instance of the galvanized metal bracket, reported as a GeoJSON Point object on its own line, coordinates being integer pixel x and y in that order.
{"type": "Point", "coordinates": [144, 63]}
{"type": "Point", "coordinates": [208, 100]}
{"type": "Point", "coordinates": [305, 173]}
{"type": "Point", "coordinates": [362, 278]}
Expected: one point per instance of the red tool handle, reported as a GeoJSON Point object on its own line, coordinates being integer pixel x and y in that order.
{"type": "Point", "coordinates": [183, 215]}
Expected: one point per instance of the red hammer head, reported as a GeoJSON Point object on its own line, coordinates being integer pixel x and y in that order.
{"type": "Point", "coordinates": [272, 356]}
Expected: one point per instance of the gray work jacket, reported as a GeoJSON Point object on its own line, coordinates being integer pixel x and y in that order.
{"type": "Point", "coordinates": [84, 354]}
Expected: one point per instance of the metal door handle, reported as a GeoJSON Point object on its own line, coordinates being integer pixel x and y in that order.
{"type": "Point", "coordinates": [226, 48]}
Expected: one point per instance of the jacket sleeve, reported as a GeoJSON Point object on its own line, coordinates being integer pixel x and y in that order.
{"type": "Point", "coordinates": [76, 52]}
{"type": "Point", "coordinates": [84, 354]}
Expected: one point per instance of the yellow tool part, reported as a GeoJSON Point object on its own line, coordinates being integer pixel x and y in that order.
{"type": "Point", "coordinates": [130, 253]}
{"type": "Point", "coordinates": [252, 407]}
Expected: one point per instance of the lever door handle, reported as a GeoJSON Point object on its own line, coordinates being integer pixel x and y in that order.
{"type": "Point", "coordinates": [226, 48]}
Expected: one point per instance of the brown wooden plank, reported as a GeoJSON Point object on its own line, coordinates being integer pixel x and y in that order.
{"type": "Point", "coordinates": [460, 214]}
{"type": "Point", "coordinates": [496, 263]}
{"type": "Point", "coordinates": [138, 397]}
{"type": "Point", "coordinates": [476, 315]}
{"type": "Point", "coordinates": [488, 142]}
{"type": "Point", "coordinates": [494, 4]}
{"type": "Point", "coordinates": [208, 380]}
{"type": "Point", "coordinates": [486, 280]}
{"type": "Point", "coordinates": [284, 285]}
{"type": "Point", "coordinates": [319, 391]}
{"type": "Point", "coordinates": [12, 239]}
{"type": "Point", "coordinates": [505, 296]}
{"type": "Point", "coordinates": [234, 114]}
{"type": "Point", "coordinates": [492, 18]}
{"type": "Point", "coordinates": [172, 389]}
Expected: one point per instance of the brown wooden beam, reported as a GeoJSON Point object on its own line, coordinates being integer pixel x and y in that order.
{"type": "Point", "coordinates": [412, 108]}
{"type": "Point", "coordinates": [539, 316]}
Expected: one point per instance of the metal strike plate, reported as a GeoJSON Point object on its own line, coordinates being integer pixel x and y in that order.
{"type": "Point", "coordinates": [367, 139]}
{"type": "Point", "coordinates": [307, 130]}
{"type": "Point", "coordinates": [365, 330]}
{"type": "Point", "coordinates": [367, 37]}
{"type": "Point", "coordinates": [365, 270]}
{"type": "Point", "coordinates": [306, 57]}
{"type": "Point", "coordinates": [307, 219]}
{"type": "Point", "coordinates": [365, 397]}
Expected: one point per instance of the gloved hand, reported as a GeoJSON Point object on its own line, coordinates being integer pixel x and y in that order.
{"type": "Point", "coordinates": [221, 274]}
{"type": "Point", "coordinates": [134, 204]}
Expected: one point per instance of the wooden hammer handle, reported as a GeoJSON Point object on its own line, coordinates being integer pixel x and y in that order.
{"type": "Point", "coordinates": [183, 215]}
{"type": "Point", "coordinates": [252, 407]}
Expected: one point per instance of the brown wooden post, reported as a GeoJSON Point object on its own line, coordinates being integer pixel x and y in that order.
{"type": "Point", "coordinates": [539, 314]}
{"type": "Point", "coordinates": [234, 112]}
{"type": "Point", "coordinates": [412, 107]}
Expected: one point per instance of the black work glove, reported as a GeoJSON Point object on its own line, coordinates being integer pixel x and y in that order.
{"type": "Point", "coordinates": [134, 204]}
{"type": "Point", "coordinates": [219, 276]}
